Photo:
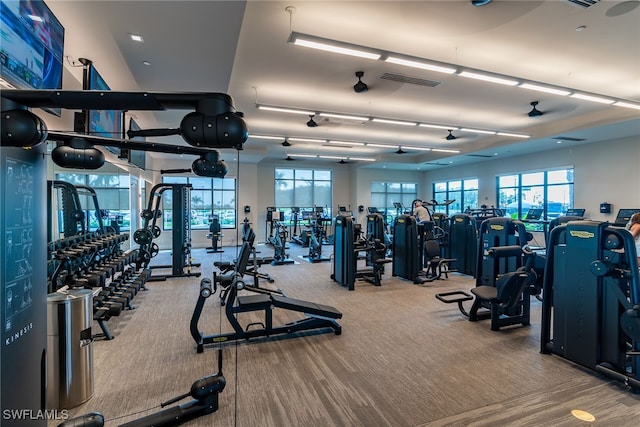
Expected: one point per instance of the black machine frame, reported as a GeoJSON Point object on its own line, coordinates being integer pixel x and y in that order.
{"type": "Point", "coordinates": [591, 299]}
{"type": "Point", "coordinates": [317, 316]}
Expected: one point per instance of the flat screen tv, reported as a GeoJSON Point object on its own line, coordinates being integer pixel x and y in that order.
{"type": "Point", "coordinates": [105, 123]}
{"type": "Point", "coordinates": [32, 47]}
{"type": "Point", "coordinates": [137, 158]}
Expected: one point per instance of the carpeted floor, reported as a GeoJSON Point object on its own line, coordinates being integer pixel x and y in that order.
{"type": "Point", "coordinates": [403, 359]}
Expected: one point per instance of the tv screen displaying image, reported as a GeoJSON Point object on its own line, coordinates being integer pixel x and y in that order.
{"type": "Point", "coordinates": [32, 48]}
{"type": "Point", "coordinates": [105, 123]}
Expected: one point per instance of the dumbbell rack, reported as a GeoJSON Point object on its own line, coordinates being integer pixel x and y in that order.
{"type": "Point", "coordinates": [97, 262]}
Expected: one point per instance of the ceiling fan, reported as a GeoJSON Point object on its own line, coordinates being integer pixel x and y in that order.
{"type": "Point", "coordinates": [534, 111]}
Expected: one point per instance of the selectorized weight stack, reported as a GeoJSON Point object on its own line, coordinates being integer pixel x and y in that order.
{"type": "Point", "coordinates": [497, 232]}
{"type": "Point", "coordinates": [591, 299]}
{"type": "Point", "coordinates": [406, 259]}
{"type": "Point", "coordinates": [463, 243]}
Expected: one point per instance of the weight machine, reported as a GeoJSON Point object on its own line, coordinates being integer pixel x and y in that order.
{"type": "Point", "coordinates": [181, 231]}
{"type": "Point", "coordinates": [317, 316]}
{"type": "Point", "coordinates": [507, 301]}
{"type": "Point", "coordinates": [347, 249]}
{"type": "Point", "coordinates": [591, 299]}
{"type": "Point", "coordinates": [212, 123]}
{"type": "Point", "coordinates": [417, 256]}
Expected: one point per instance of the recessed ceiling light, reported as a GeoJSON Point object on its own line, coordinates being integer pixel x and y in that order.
{"type": "Point", "coordinates": [146, 63]}
{"type": "Point", "coordinates": [581, 28]}
{"type": "Point", "coordinates": [136, 38]}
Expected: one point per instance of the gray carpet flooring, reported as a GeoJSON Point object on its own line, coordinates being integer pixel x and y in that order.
{"type": "Point", "coordinates": [403, 359]}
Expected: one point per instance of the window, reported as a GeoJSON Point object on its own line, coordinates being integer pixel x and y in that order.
{"type": "Point", "coordinates": [384, 195]}
{"type": "Point", "coordinates": [463, 192]}
{"type": "Point", "coordinates": [112, 192]}
{"type": "Point", "coordinates": [304, 189]}
{"type": "Point", "coordinates": [208, 197]}
{"type": "Point", "coordinates": [551, 191]}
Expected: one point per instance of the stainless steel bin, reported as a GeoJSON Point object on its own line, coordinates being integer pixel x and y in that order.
{"type": "Point", "coordinates": [69, 348]}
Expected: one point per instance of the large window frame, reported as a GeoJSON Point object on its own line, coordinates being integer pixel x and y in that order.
{"type": "Point", "coordinates": [209, 197]}
{"type": "Point", "coordinates": [463, 191]}
{"type": "Point", "coordinates": [305, 189]}
{"type": "Point", "coordinates": [385, 195]}
{"type": "Point", "coordinates": [551, 190]}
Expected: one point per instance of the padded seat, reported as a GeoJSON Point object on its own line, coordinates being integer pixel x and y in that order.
{"type": "Point", "coordinates": [254, 302]}
{"type": "Point", "coordinates": [508, 302]}
{"type": "Point", "coordinates": [306, 307]}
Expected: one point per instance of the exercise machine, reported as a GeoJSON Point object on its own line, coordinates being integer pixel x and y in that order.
{"type": "Point", "coordinates": [204, 391]}
{"type": "Point", "coordinates": [417, 256]}
{"type": "Point", "coordinates": [347, 250]}
{"type": "Point", "coordinates": [181, 260]}
{"type": "Point", "coordinates": [317, 316]}
{"type": "Point", "coordinates": [591, 299]}
{"type": "Point", "coordinates": [318, 235]}
{"type": "Point", "coordinates": [507, 301]}
{"type": "Point", "coordinates": [496, 232]}
{"type": "Point", "coordinates": [215, 234]}
{"type": "Point", "coordinates": [24, 191]}
{"type": "Point", "coordinates": [463, 243]}
{"type": "Point", "coordinates": [279, 242]}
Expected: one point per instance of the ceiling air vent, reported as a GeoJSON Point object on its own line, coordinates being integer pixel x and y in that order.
{"type": "Point", "coordinates": [568, 138]}
{"type": "Point", "coordinates": [583, 3]}
{"type": "Point", "coordinates": [485, 156]}
{"type": "Point", "coordinates": [412, 80]}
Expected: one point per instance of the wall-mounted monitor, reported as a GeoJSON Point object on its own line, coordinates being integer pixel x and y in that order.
{"type": "Point", "coordinates": [105, 123]}
{"type": "Point", "coordinates": [136, 157]}
{"type": "Point", "coordinates": [32, 48]}
{"type": "Point", "coordinates": [624, 215]}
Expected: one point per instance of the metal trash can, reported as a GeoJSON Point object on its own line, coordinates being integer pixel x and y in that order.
{"type": "Point", "coordinates": [69, 348]}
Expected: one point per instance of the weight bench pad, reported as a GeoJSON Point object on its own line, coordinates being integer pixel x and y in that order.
{"type": "Point", "coordinates": [306, 307]}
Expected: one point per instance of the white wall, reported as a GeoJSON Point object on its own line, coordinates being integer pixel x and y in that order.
{"type": "Point", "coordinates": [604, 172]}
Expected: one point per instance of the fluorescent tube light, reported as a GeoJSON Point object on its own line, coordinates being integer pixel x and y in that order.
{"type": "Point", "coordinates": [627, 105]}
{"type": "Point", "coordinates": [426, 125]}
{"type": "Point", "coordinates": [445, 150]}
{"type": "Point", "coordinates": [346, 143]}
{"type": "Point", "coordinates": [416, 148]}
{"type": "Point", "coordinates": [332, 157]}
{"type": "Point", "coordinates": [344, 116]}
{"type": "Point", "coordinates": [422, 65]}
{"type": "Point", "coordinates": [332, 46]}
{"type": "Point", "coordinates": [266, 137]}
{"type": "Point", "coordinates": [488, 132]}
{"type": "Point", "coordinates": [545, 89]}
{"type": "Point", "coordinates": [307, 140]}
{"type": "Point", "coordinates": [488, 78]}
{"type": "Point", "coordinates": [592, 98]}
{"type": "Point", "coordinates": [364, 159]}
{"type": "Point", "coordinates": [303, 155]}
{"type": "Point", "coordinates": [515, 135]}
{"type": "Point", "coordinates": [393, 122]}
{"type": "Point", "coordinates": [286, 110]}
{"type": "Point", "coordinates": [381, 145]}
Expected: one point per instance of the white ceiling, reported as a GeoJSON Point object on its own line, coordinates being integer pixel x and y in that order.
{"type": "Point", "coordinates": [241, 48]}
